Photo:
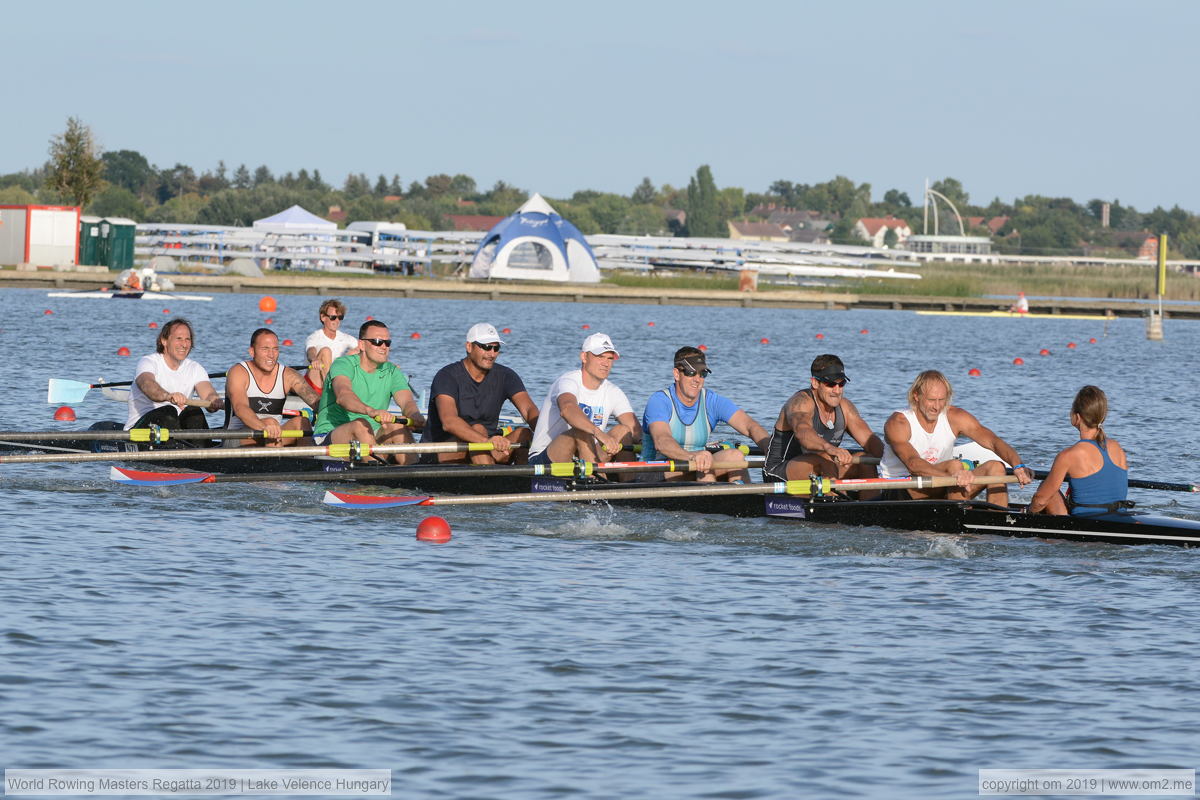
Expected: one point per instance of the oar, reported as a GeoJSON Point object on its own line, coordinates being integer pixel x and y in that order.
{"type": "Point", "coordinates": [352, 450]}
{"type": "Point", "coordinates": [60, 390]}
{"type": "Point", "coordinates": [155, 435]}
{"type": "Point", "coordinates": [557, 469]}
{"type": "Point", "coordinates": [805, 487]}
{"type": "Point", "coordinates": [1041, 474]}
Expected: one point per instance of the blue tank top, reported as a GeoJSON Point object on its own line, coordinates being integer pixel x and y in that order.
{"type": "Point", "coordinates": [1109, 485]}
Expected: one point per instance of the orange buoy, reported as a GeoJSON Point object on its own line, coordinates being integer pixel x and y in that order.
{"type": "Point", "coordinates": [650, 324]}
{"type": "Point", "coordinates": [974, 372]}
{"type": "Point", "coordinates": [585, 327]}
{"type": "Point", "coordinates": [703, 348]}
{"type": "Point", "coordinates": [1018, 361]}
{"type": "Point", "coordinates": [764, 340]}
{"type": "Point", "coordinates": [122, 351]}
{"type": "Point", "coordinates": [1043, 352]}
{"type": "Point", "coordinates": [415, 335]}
{"type": "Point", "coordinates": [269, 321]}
{"type": "Point", "coordinates": [166, 311]}
{"type": "Point", "coordinates": [507, 330]}
{"type": "Point", "coordinates": [287, 342]}
{"type": "Point", "coordinates": [820, 336]}
{"type": "Point", "coordinates": [433, 529]}
{"type": "Point", "coordinates": [863, 331]}
{"type": "Point", "coordinates": [65, 414]}
{"type": "Point", "coordinates": [152, 325]}
{"type": "Point", "coordinates": [1092, 340]}
{"type": "Point", "coordinates": [47, 311]}
{"type": "Point", "coordinates": [369, 318]}
{"type": "Point", "coordinates": [1070, 345]}
{"type": "Point", "coordinates": [267, 304]}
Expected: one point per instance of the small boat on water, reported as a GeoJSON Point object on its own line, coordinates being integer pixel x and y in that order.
{"type": "Point", "coordinates": [1011, 315]}
{"type": "Point", "coordinates": [127, 294]}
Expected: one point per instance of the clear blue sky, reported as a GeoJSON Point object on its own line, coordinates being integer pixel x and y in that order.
{"type": "Point", "coordinates": [1078, 99]}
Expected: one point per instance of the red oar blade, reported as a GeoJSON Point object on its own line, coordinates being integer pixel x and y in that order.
{"type": "Point", "coordinates": [364, 501]}
{"type": "Point", "coordinates": [64, 391]}
{"type": "Point", "coordinates": [139, 478]}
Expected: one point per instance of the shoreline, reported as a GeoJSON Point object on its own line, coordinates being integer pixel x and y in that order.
{"type": "Point", "coordinates": [433, 288]}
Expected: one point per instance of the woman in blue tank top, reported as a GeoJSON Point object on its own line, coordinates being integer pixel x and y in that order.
{"type": "Point", "coordinates": [1094, 467]}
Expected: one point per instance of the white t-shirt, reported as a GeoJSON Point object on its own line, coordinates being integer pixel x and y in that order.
{"type": "Point", "coordinates": [934, 447]}
{"type": "Point", "coordinates": [598, 404]}
{"type": "Point", "coordinates": [338, 345]}
{"type": "Point", "coordinates": [182, 380]}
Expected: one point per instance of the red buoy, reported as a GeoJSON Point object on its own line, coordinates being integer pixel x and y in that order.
{"type": "Point", "coordinates": [1018, 361]}
{"type": "Point", "coordinates": [586, 327]}
{"type": "Point", "coordinates": [703, 348]}
{"type": "Point", "coordinates": [650, 324]}
{"type": "Point", "coordinates": [1092, 340]}
{"type": "Point", "coordinates": [415, 335]}
{"type": "Point", "coordinates": [47, 311]}
{"type": "Point", "coordinates": [269, 321]}
{"type": "Point", "coordinates": [267, 304]}
{"type": "Point", "coordinates": [166, 311]}
{"type": "Point", "coordinates": [152, 325]}
{"type": "Point", "coordinates": [820, 336]}
{"type": "Point", "coordinates": [369, 318]}
{"type": "Point", "coordinates": [65, 414]}
{"type": "Point", "coordinates": [287, 342]}
{"type": "Point", "coordinates": [974, 372]}
{"type": "Point", "coordinates": [122, 351]}
{"type": "Point", "coordinates": [764, 340]}
{"type": "Point", "coordinates": [863, 331]}
{"type": "Point", "coordinates": [1043, 352]}
{"type": "Point", "coordinates": [507, 330]}
{"type": "Point", "coordinates": [433, 529]}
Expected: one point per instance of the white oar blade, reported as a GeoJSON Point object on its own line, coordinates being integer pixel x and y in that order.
{"type": "Point", "coordinates": [64, 391]}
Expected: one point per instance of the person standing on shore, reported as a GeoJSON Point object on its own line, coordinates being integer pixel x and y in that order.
{"type": "Point", "coordinates": [327, 343]}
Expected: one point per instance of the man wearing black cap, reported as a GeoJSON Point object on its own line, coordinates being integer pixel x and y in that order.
{"type": "Point", "coordinates": [679, 419]}
{"type": "Point", "coordinates": [808, 434]}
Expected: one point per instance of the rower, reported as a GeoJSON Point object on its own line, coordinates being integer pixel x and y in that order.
{"type": "Point", "coordinates": [1095, 467]}
{"type": "Point", "coordinates": [327, 343]}
{"type": "Point", "coordinates": [358, 390]}
{"type": "Point", "coordinates": [467, 396]}
{"type": "Point", "coordinates": [1021, 306]}
{"type": "Point", "coordinates": [164, 380]}
{"type": "Point", "coordinates": [679, 419]}
{"type": "Point", "coordinates": [256, 390]}
{"type": "Point", "coordinates": [919, 440]}
{"type": "Point", "coordinates": [572, 418]}
{"type": "Point", "coordinates": [808, 433]}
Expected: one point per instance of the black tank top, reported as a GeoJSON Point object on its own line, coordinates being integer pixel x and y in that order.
{"type": "Point", "coordinates": [784, 446]}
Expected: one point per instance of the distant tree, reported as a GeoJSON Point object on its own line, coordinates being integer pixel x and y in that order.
{"type": "Point", "coordinates": [185, 208]}
{"type": "Point", "coordinates": [316, 184]}
{"type": "Point", "coordinates": [381, 186]}
{"type": "Point", "coordinates": [785, 191]}
{"type": "Point", "coordinates": [644, 193]}
{"type": "Point", "coordinates": [703, 212]}
{"type": "Point", "coordinates": [646, 219]}
{"type": "Point", "coordinates": [75, 170]}
{"type": "Point", "coordinates": [221, 174]}
{"type": "Point", "coordinates": [897, 198]}
{"type": "Point", "coordinates": [731, 202]}
{"type": "Point", "coordinates": [462, 185]}
{"type": "Point", "coordinates": [241, 178]}
{"type": "Point", "coordinates": [438, 185]}
{"type": "Point", "coordinates": [356, 186]}
{"type": "Point", "coordinates": [129, 169]}
{"type": "Point", "coordinates": [609, 211]}
{"type": "Point", "coordinates": [843, 232]}
{"type": "Point", "coordinates": [179, 179]}
{"type": "Point", "coordinates": [16, 196]}
{"type": "Point", "coordinates": [396, 187]}
{"type": "Point", "coordinates": [117, 201]}
{"type": "Point", "coordinates": [263, 176]}
{"type": "Point", "coordinates": [890, 239]}
{"type": "Point", "coordinates": [416, 190]}
{"type": "Point", "coordinates": [953, 189]}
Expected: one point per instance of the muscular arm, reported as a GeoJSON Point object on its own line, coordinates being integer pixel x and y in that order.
{"type": "Point", "coordinates": [799, 413]}
{"type": "Point", "coordinates": [343, 392]}
{"type": "Point", "coordinates": [454, 424]}
{"type": "Point", "coordinates": [294, 384]}
{"type": "Point", "coordinates": [965, 424]}
{"type": "Point", "coordinates": [1053, 481]}
{"type": "Point", "coordinates": [236, 384]}
{"type": "Point", "coordinates": [744, 424]}
{"type": "Point", "coordinates": [897, 430]}
{"type": "Point", "coordinates": [408, 404]}
{"type": "Point", "coordinates": [158, 394]}
{"type": "Point", "coordinates": [857, 427]}
{"type": "Point", "coordinates": [525, 407]}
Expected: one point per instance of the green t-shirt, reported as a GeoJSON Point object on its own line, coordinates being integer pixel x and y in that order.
{"type": "Point", "coordinates": [373, 388]}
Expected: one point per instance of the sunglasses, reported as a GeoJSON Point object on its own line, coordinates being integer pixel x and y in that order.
{"type": "Point", "coordinates": [491, 348]}
{"type": "Point", "coordinates": [690, 372]}
{"type": "Point", "coordinates": [832, 384]}
{"type": "Point", "coordinates": [335, 316]}
{"type": "Point", "coordinates": [379, 342]}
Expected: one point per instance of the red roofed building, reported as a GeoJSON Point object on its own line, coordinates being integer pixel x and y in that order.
{"type": "Point", "coordinates": [874, 229]}
{"type": "Point", "coordinates": [762, 231]}
{"type": "Point", "coordinates": [473, 222]}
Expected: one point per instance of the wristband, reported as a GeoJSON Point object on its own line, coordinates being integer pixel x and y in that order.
{"type": "Point", "coordinates": [1019, 466]}
{"type": "Point", "coordinates": [968, 464]}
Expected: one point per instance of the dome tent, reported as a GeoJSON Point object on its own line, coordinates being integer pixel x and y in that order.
{"type": "Point", "coordinates": [535, 243]}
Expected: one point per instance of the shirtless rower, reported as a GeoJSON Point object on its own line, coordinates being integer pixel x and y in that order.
{"type": "Point", "coordinates": [919, 440]}
{"type": "Point", "coordinates": [357, 392]}
{"type": "Point", "coordinates": [466, 398]}
{"type": "Point", "coordinates": [572, 418]}
{"type": "Point", "coordinates": [808, 433]}
{"type": "Point", "coordinates": [679, 419]}
{"type": "Point", "coordinates": [164, 380]}
{"type": "Point", "coordinates": [327, 343]}
{"type": "Point", "coordinates": [256, 390]}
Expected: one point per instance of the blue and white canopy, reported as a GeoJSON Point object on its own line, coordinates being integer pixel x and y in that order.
{"type": "Point", "coordinates": [535, 243]}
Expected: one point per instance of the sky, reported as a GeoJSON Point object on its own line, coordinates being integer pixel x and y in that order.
{"type": "Point", "coordinates": [1086, 100]}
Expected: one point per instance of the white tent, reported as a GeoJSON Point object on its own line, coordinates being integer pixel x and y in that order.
{"type": "Point", "coordinates": [535, 243]}
{"type": "Point", "coordinates": [294, 218]}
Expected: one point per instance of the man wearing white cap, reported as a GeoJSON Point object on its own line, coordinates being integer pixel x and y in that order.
{"type": "Point", "coordinates": [465, 401]}
{"type": "Point", "coordinates": [572, 418]}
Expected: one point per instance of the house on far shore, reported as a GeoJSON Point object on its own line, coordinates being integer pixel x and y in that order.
{"type": "Point", "coordinates": [473, 222]}
{"type": "Point", "coordinates": [874, 229]}
{"type": "Point", "coordinates": [760, 231]}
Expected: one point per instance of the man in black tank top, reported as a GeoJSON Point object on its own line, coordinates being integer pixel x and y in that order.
{"type": "Point", "coordinates": [255, 393]}
{"type": "Point", "coordinates": [807, 438]}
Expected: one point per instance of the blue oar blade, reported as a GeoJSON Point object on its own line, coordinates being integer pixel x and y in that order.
{"type": "Point", "coordinates": [64, 391]}
{"type": "Point", "coordinates": [365, 501]}
{"type": "Point", "coordinates": [138, 478]}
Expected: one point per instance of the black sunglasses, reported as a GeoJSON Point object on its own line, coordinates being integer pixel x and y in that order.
{"type": "Point", "coordinates": [488, 347]}
{"type": "Point", "coordinates": [336, 316]}
{"type": "Point", "coordinates": [380, 342]}
{"type": "Point", "coordinates": [832, 384]}
{"type": "Point", "coordinates": [689, 371]}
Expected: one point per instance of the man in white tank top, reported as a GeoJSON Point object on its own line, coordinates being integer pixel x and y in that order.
{"type": "Point", "coordinates": [919, 440]}
{"type": "Point", "coordinates": [257, 390]}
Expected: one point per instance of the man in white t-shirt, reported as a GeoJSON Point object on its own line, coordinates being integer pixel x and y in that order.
{"type": "Point", "coordinates": [572, 419]}
{"type": "Point", "coordinates": [164, 380]}
{"type": "Point", "coordinates": [327, 343]}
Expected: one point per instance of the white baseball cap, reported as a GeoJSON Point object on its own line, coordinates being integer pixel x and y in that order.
{"type": "Point", "coordinates": [483, 333]}
{"type": "Point", "coordinates": [598, 344]}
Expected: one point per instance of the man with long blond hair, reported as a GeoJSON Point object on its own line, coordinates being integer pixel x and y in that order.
{"type": "Point", "coordinates": [919, 441]}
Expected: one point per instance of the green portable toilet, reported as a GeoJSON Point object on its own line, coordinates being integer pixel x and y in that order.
{"type": "Point", "coordinates": [120, 236]}
{"type": "Point", "coordinates": [89, 241]}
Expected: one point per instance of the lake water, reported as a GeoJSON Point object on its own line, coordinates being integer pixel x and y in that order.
{"type": "Point", "coordinates": [585, 652]}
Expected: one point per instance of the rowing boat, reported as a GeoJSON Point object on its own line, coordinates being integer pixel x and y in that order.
{"type": "Point", "coordinates": [127, 294]}
{"type": "Point", "coordinates": [1010, 314]}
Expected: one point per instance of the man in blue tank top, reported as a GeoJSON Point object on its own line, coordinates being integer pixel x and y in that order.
{"type": "Point", "coordinates": [679, 419]}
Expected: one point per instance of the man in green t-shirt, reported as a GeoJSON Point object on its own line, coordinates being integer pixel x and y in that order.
{"type": "Point", "coordinates": [358, 390]}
